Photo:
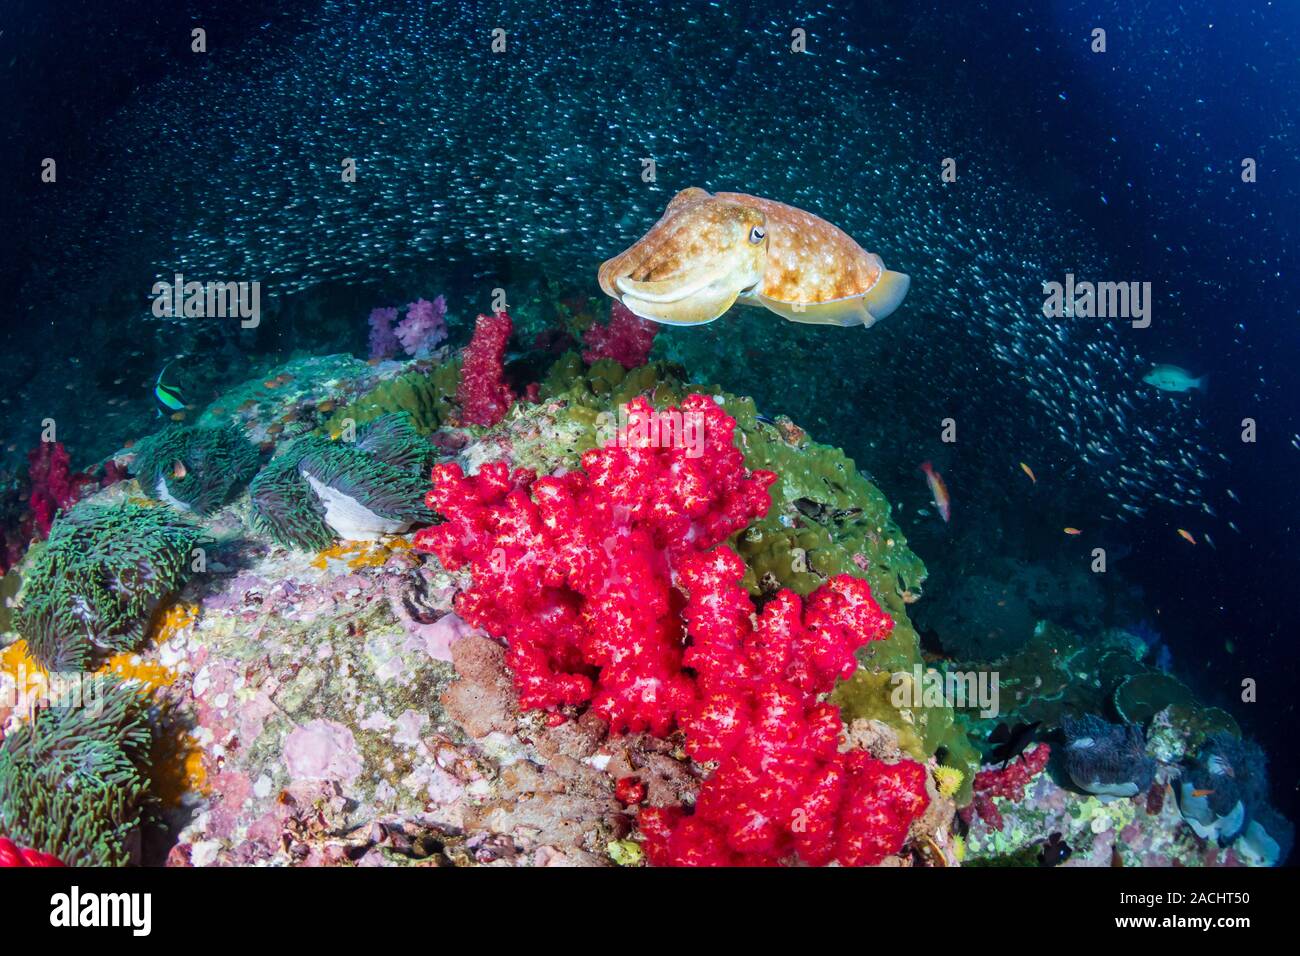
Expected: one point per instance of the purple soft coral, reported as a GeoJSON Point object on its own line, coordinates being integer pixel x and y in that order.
{"type": "Point", "coordinates": [383, 343]}
{"type": "Point", "coordinates": [425, 326]}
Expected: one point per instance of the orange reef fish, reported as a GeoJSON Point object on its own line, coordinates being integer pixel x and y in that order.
{"type": "Point", "coordinates": [1028, 471]}
{"type": "Point", "coordinates": [938, 490]}
{"type": "Point", "coordinates": [1072, 531]}
{"type": "Point", "coordinates": [710, 250]}
{"type": "Point", "coordinates": [1186, 536]}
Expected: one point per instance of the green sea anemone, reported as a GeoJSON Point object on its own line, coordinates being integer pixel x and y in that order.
{"type": "Point", "coordinates": [100, 576]}
{"type": "Point", "coordinates": [394, 440]}
{"type": "Point", "coordinates": [319, 490]}
{"type": "Point", "coordinates": [195, 469]}
{"type": "Point", "coordinates": [73, 779]}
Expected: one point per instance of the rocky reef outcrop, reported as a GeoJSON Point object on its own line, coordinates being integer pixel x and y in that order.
{"type": "Point", "coordinates": [580, 649]}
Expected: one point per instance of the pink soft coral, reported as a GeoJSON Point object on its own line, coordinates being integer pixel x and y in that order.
{"type": "Point", "coordinates": [627, 339]}
{"type": "Point", "coordinates": [383, 342]}
{"type": "Point", "coordinates": [583, 574]}
{"type": "Point", "coordinates": [425, 326]}
{"type": "Point", "coordinates": [482, 392]}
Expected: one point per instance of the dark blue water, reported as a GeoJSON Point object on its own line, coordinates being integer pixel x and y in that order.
{"type": "Point", "coordinates": [1135, 155]}
{"type": "Point", "coordinates": [1152, 148]}
{"type": "Point", "coordinates": [1147, 151]}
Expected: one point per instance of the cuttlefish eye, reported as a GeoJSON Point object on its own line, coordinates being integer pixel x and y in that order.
{"type": "Point", "coordinates": [756, 235]}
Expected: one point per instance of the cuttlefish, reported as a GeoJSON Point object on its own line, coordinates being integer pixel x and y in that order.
{"type": "Point", "coordinates": [711, 250]}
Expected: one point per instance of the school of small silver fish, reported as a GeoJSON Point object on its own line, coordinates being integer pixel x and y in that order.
{"type": "Point", "coordinates": [548, 167]}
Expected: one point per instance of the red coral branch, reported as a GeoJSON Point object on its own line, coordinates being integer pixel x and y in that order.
{"type": "Point", "coordinates": [575, 571]}
{"type": "Point", "coordinates": [483, 394]}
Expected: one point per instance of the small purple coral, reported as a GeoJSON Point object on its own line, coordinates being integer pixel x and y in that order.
{"type": "Point", "coordinates": [383, 343]}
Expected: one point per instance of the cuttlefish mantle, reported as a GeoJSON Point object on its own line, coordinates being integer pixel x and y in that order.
{"type": "Point", "coordinates": [711, 250]}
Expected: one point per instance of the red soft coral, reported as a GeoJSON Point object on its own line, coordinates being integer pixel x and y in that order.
{"type": "Point", "coordinates": [597, 578]}
{"type": "Point", "coordinates": [1008, 783]}
{"type": "Point", "coordinates": [627, 339]}
{"type": "Point", "coordinates": [483, 394]}
{"type": "Point", "coordinates": [781, 789]}
{"type": "Point", "coordinates": [53, 486]}
{"type": "Point", "coordinates": [12, 855]}
{"type": "Point", "coordinates": [575, 571]}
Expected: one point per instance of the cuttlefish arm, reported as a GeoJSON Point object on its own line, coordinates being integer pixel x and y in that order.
{"type": "Point", "coordinates": [708, 251]}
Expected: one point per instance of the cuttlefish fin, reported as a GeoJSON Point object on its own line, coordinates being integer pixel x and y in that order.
{"type": "Point", "coordinates": [842, 312]}
{"type": "Point", "coordinates": [888, 293]}
{"type": "Point", "coordinates": [702, 306]}
{"type": "Point", "coordinates": [864, 310]}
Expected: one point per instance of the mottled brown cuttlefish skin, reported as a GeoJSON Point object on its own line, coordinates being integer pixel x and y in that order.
{"type": "Point", "coordinates": [708, 251]}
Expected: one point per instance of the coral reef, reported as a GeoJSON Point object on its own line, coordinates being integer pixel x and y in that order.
{"type": "Point", "coordinates": [590, 621]}
{"type": "Point", "coordinates": [318, 490]}
{"type": "Point", "coordinates": [73, 780]}
{"type": "Point", "coordinates": [679, 621]}
{"type": "Point", "coordinates": [1007, 783]}
{"type": "Point", "coordinates": [98, 579]}
{"type": "Point", "coordinates": [483, 394]}
{"type": "Point", "coordinates": [626, 338]}
{"type": "Point", "coordinates": [195, 468]}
